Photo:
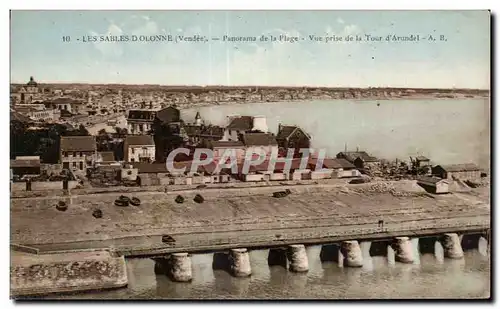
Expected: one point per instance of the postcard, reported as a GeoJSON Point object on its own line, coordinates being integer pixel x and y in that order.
{"type": "Point", "coordinates": [213, 155]}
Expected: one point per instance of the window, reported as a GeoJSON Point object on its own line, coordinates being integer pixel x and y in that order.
{"type": "Point", "coordinates": [65, 154]}
{"type": "Point", "coordinates": [74, 164]}
{"type": "Point", "coordinates": [81, 154]}
{"type": "Point", "coordinates": [133, 150]}
{"type": "Point", "coordinates": [81, 165]}
{"type": "Point", "coordinates": [132, 160]}
{"type": "Point", "coordinates": [74, 153]}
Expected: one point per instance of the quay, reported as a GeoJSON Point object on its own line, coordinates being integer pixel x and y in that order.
{"type": "Point", "coordinates": [338, 217]}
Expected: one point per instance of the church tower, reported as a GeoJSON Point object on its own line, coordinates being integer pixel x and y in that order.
{"type": "Point", "coordinates": [197, 119]}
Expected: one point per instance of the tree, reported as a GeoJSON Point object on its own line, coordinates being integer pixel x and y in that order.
{"type": "Point", "coordinates": [43, 142]}
{"type": "Point", "coordinates": [103, 140]}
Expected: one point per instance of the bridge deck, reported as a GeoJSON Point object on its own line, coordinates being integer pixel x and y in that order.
{"type": "Point", "coordinates": [243, 218]}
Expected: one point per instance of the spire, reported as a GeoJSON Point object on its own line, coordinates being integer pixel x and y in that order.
{"type": "Point", "coordinates": [197, 119]}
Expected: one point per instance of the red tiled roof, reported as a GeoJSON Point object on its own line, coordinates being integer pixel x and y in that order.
{"type": "Point", "coordinates": [265, 166]}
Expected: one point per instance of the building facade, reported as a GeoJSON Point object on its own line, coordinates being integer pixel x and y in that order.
{"type": "Point", "coordinates": [468, 171]}
{"type": "Point", "coordinates": [292, 137]}
{"type": "Point", "coordinates": [139, 148]}
{"type": "Point", "coordinates": [77, 152]}
{"type": "Point", "coordinates": [140, 121]}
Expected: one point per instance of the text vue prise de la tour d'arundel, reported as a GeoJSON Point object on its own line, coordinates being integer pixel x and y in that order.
{"type": "Point", "coordinates": [197, 38]}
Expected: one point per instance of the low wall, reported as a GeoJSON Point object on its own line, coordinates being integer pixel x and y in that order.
{"type": "Point", "coordinates": [324, 174]}
{"type": "Point", "coordinates": [42, 185]}
{"type": "Point", "coordinates": [120, 189]}
{"type": "Point", "coordinates": [279, 176]}
{"type": "Point", "coordinates": [253, 177]}
{"type": "Point", "coordinates": [39, 277]}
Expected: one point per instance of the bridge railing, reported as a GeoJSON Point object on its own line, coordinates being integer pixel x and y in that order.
{"type": "Point", "coordinates": [341, 231]}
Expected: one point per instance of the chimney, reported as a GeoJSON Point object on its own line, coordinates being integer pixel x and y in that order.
{"type": "Point", "coordinates": [259, 124]}
{"type": "Point", "coordinates": [279, 127]}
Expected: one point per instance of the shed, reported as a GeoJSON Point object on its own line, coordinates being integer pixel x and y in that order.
{"type": "Point", "coordinates": [434, 184]}
{"type": "Point", "coordinates": [422, 161]}
{"type": "Point", "coordinates": [25, 166]}
{"type": "Point", "coordinates": [467, 171]}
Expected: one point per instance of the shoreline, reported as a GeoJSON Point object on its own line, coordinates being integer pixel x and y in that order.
{"type": "Point", "coordinates": [188, 105]}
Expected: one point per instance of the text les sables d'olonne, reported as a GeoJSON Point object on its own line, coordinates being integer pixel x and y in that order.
{"type": "Point", "coordinates": [333, 38]}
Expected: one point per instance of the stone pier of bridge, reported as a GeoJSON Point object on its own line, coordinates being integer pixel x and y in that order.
{"type": "Point", "coordinates": [294, 258]}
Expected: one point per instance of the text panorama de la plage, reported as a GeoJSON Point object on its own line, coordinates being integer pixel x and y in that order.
{"type": "Point", "coordinates": [262, 38]}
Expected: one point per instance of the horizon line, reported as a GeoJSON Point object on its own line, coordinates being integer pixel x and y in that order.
{"type": "Point", "coordinates": [247, 86]}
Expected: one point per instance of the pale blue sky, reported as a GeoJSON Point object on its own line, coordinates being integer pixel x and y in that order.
{"type": "Point", "coordinates": [463, 61]}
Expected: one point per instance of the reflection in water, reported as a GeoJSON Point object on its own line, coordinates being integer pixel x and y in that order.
{"type": "Point", "coordinates": [432, 277]}
{"type": "Point", "coordinates": [313, 256]}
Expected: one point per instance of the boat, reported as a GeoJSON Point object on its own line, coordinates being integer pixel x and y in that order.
{"type": "Point", "coordinates": [135, 201]}
{"type": "Point", "coordinates": [122, 201]}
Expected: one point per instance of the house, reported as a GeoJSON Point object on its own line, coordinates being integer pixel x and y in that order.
{"type": "Point", "coordinates": [76, 152]}
{"type": "Point", "coordinates": [292, 137]}
{"type": "Point", "coordinates": [422, 161]}
{"type": "Point", "coordinates": [105, 158]}
{"type": "Point", "coordinates": [337, 168]}
{"type": "Point", "coordinates": [265, 141]}
{"type": "Point", "coordinates": [360, 159]}
{"type": "Point", "coordinates": [237, 126]}
{"type": "Point", "coordinates": [146, 174]}
{"type": "Point", "coordinates": [433, 184]}
{"type": "Point", "coordinates": [329, 169]}
{"type": "Point", "coordinates": [467, 171]}
{"type": "Point", "coordinates": [348, 169]}
{"type": "Point", "coordinates": [200, 134]}
{"type": "Point", "coordinates": [240, 125]}
{"type": "Point", "coordinates": [37, 112]}
{"type": "Point", "coordinates": [139, 148]}
{"type": "Point", "coordinates": [25, 165]}
{"type": "Point", "coordinates": [47, 115]}
{"type": "Point", "coordinates": [140, 121]}
{"type": "Point", "coordinates": [169, 115]}
{"type": "Point", "coordinates": [65, 105]}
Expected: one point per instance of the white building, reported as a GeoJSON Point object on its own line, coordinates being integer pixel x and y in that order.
{"type": "Point", "coordinates": [139, 148]}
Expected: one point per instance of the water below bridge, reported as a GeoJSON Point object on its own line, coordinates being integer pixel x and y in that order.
{"type": "Point", "coordinates": [431, 276]}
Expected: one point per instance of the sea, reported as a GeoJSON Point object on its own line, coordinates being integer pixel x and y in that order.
{"type": "Point", "coordinates": [445, 130]}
